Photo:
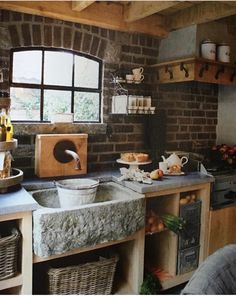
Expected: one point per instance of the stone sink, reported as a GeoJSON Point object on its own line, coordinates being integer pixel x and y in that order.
{"type": "Point", "coordinates": [116, 213]}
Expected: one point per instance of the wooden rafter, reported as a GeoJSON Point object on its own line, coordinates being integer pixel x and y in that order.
{"type": "Point", "coordinates": [201, 13]}
{"type": "Point", "coordinates": [81, 5]}
{"type": "Point", "coordinates": [136, 10]}
{"type": "Point", "coordinates": [102, 14]}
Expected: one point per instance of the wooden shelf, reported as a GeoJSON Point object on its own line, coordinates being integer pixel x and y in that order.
{"type": "Point", "coordinates": [11, 282]}
{"type": "Point", "coordinates": [196, 69]}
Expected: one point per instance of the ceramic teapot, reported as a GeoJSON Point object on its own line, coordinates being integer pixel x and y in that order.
{"type": "Point", "coordinates": [174, 159]}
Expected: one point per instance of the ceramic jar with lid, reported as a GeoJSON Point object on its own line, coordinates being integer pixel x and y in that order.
{"type": "Point", "coordinates": [208, 50]}
{"type": "Point", "coordinates": [223, 52]}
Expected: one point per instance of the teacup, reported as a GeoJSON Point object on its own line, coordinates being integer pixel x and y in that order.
{"type": "Point", "coordinates": [138, 71]}
{"type": "Point", "coordinates": [129, 78]}
{"type": "Point", "coordinates": [138, 78]}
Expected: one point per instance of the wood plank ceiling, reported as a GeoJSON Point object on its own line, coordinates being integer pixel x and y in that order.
{"type": "Point", "coordinates": [156, 18]}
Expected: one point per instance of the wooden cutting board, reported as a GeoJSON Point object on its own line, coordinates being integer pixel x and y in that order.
{"type": "Point", "coordinates": [51, 159]}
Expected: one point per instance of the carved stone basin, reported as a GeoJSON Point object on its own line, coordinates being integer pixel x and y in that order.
{"type": "Point", "coordinates": [116, 213]}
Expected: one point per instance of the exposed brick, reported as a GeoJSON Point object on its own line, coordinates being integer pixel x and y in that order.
{"type": "Point", "coordinates": [77, 40]}
{"type": "Point", "coordinates": [47, 35]}
{"type": "Point", "coordinates": [86, 27]}
{"type": "Point", "coordinates": [26, 34]}
{"type": "Point", "coordinates": [94, 45]}
{"type": "Point", "coordinates": [67, 34]}
{"type": "Point", "coordinates": [57, 36]}
{"type": "Point", "coordinates": [95, 30]}
{"type": "Point", "coordinates": [5, 16]}
{"type": "Point", "coordinates": [198, 113]}
{"type": "Point", "coordinates": [14, 36]}
{"type": "Point", "coordinates": [118, 138]}
{"type": "Point", "coordinates": [102, 49]}
{"type": "Point", "coordinates": [103, 147]}
{"type": "Point", "coordinates": [104, 32]}
{"type": "Point", "coordinates": [123, 129]}
{"type": "Point", "coordinates": [27, 17]}
{"type": "Point", "coordinates": [125, 147]}
{"type": "Point", "coordinates": [86, 42]}
{"type": "Point", "coordinates": [38, 18]}
{"type": "Point", "coordinates": [15, 16]}
{"type": "Point", "coordinates": [36, 30]}
{"type": "Point", "coordinates": [97, 138]}
{"type": "Point", "coordinates": [150, 52]}
{"type": "Point", "coordinates": [109, 157]}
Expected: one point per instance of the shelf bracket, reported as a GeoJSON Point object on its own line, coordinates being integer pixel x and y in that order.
{"type": "Point", "coordinates": [203, 68]}
{"type": "Point", "coordinates": [220, 70]}
{"type": "Point", "coordinates": [232, 76]}
{"type": "Point", "coordinates": [168, 69]}
{"type": "Point", "coordinates": [183, 68]}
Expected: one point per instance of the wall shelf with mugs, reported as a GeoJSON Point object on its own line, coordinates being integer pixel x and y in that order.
{"type": "Point", "coordinates": [125, 101]}
{"type": "Point", "coordinates": [196, 69]}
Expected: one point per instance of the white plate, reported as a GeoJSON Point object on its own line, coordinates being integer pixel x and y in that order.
{"type": "Point", "coordinates": [174, 174]}
{"type": "Point", "coordinates": [133, 162]}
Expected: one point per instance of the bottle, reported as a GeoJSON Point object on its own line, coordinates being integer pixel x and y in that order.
{"type": "Point", "coordinates": [3, 126]}
{"type": "Point", "coordinates": [9, 129]}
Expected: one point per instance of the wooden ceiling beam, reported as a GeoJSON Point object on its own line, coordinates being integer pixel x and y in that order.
{"type": "Point", "coordinates": [136, 10]}
{"type": "Point", "coordinates": [102, 14]}
{"type": "Point", "coordinates": [200, 13]}
{"type": "Point", "coordinates": [81, 5]}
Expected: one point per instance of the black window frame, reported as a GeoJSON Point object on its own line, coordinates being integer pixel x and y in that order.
{"type": "Point", "coordinates": [41, 86]}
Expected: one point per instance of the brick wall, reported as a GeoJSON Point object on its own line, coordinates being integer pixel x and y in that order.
{"type": "Point", "coordinates": [191, 114]}
{"type": "Point", "coordinates": [191, 108]}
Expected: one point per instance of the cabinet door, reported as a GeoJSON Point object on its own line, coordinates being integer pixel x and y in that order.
{"type": "Point", "coordinates": [222, 228]}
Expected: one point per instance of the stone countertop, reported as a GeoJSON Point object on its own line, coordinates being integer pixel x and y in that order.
{"type": "Point", "coordinates": [168, 182]}
{"type": "Point", "coordinates": [15, 202]}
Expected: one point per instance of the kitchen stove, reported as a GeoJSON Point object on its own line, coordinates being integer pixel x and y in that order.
{"type": "Point", "coordinates": [224, 188]}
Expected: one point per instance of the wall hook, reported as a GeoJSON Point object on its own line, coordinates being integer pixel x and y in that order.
{"type": "Point", "coordinates": [182, 68]}
{"type": "Point", "coordinates": [220, 69]}
{"type": "Point", "coordinates": [204, 67]}
{"type": "Point", "coordinates": [168, 69]}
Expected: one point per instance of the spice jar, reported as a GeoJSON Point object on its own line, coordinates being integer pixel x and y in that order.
{"type": "Point", "coordinates": [208, 50]}
{"type": "Point", "coordinates": [223, 52]}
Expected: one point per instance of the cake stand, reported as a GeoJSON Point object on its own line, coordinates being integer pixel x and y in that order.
{"type": "Point", "coordinates": [133, 164]}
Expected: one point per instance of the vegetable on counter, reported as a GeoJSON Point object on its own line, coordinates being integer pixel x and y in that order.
{"type": "Point", "coordinates": [154, 223]}
{"type": "Point", "coordinates": [173, 223]}
{"type": "Point", "coordinates": [151, 285]}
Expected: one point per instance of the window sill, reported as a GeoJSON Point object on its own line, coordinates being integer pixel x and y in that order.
{"type": "Point", "coordinates": [58, 128]}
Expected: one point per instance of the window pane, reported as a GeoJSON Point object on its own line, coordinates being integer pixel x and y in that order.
{"type": "Point", "coordinates": [86, 72]}
{"type": "Point", "coordinates": [86, 106]}
{"type": "Point", "coordinates": [27, 66]}
{"type": "Point", "coordinates": [58, 68]}
{"type": "Point", "coordinates": [25, 104]}
{"type": "Point", "coordinates": [56, 101]}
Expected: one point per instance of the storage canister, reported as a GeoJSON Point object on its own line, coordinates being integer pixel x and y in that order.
{"type": "Point", "coordinates": [223, 52]}
{"type": "Point", "coordinates": [208, 50]}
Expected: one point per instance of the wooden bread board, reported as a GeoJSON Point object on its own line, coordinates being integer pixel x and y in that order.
{"type": "Point", "coordinates": [46, 164]}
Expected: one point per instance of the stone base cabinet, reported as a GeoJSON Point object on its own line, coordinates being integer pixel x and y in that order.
{"type": "Point", "coordinates": [159, 249]}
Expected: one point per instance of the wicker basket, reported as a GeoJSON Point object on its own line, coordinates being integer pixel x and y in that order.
{"type": "Point", "coordinates": [88, 279]}
{"type": "Point", "coordinates": [9, 254]}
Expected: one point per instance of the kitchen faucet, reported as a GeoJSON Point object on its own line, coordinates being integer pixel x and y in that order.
{"type": "Point", "coordinates": [75, 157]}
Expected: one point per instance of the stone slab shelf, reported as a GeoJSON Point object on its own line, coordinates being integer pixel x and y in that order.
{"type": "Point", "coordinates": [196, 69]}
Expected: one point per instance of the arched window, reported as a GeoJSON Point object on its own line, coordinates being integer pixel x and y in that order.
{"type": "Point", "coordinates": [45, 81]}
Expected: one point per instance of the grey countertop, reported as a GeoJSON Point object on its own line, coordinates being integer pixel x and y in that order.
{"type": "Point", "coordinates": [169, 182]}
{"type": "Point", "coordinates": [21, 200]}
{"type": "Point", "coordinates": [14, 202]}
